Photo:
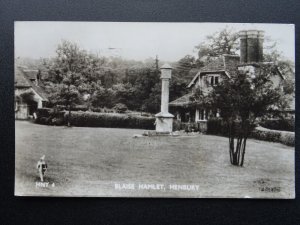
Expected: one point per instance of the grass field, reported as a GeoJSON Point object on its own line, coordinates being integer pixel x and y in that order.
{"type": "Point", "coordinates": [89, 161]}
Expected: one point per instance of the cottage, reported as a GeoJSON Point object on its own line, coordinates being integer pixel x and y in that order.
{"type": "Point", "coordinates": [29, 96]}
{"type": "Point", "coordinates": [220, 68]}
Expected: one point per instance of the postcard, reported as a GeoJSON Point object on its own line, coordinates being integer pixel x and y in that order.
{"type": "Point", "coordinates": [140, 109]}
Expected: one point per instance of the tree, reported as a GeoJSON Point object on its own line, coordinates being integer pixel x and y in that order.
{"type": "Point", "coordinates": [120, 108]}
{"type": "Point", "coordinates": [222, 42]}
{"type": "Point", "coordinates": [185, 64]}
{"type": "Point", "coordinates": [103, 97]}
{"type": "Point", "coordinates": [68, 65]}
{"type": "Point", "coordinates": [241, 101]}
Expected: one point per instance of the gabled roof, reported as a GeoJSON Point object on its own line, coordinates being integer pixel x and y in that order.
{"type": "Point", "coordinates": [22, 80]}
{"type": "Point", "coordinates": [225, 64]}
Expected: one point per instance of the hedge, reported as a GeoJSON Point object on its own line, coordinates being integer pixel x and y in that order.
{"type": "Point", "coordinates": [218, 127]}
{"type": "Point", "coordinates": [49, 116]}
{"type": "Point", "coordinates": [279, 124]}
{"type": "Point", "coordinates": [284, 137]}
{"type": "Point", "coordinates": [92, 119]}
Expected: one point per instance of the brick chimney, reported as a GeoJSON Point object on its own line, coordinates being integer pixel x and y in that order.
{"type": "Point", "coordinates": [251, 46]}
{"type": "Point", "coordinates": [261, 35]}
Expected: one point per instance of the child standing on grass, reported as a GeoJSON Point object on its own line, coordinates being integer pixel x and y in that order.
{"type": "Point", "coordinates": [42, 167]}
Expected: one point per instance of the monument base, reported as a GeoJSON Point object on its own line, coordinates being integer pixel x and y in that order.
{"type": "Point", "coordinates": [164, 123]}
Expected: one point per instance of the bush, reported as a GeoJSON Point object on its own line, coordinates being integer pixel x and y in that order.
{"type": "Point", "coordinates": [288, 139]}
{"type": "Point", "coordinates": [43, 112]}
{"type": "Point", "coordinates": [176, 125]}
{"type": "Point", "coordinates": [279, 124]}
{"type": "Point", "coordinates": [120, 108]}
{"type": "Point", "coordinates": [48, 116]}
{"type": "Point", "coordinates": [79, 108]}
{"type": "Point", "coordinates": [96, 109]}
{"type": "Point", "coordinates": [92, 119]}
{"type": "Point", "coordinates": [216, 126]}
{"type": "Point", "coordinates": [284, 137]}
{"type": "Point", "coordinates": [187, 127]}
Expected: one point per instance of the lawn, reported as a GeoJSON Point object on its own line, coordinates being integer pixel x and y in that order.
{"type": "Point", "coordinates": [90, 161]}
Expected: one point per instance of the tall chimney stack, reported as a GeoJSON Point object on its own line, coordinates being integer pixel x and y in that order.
{"type": "Point", "coordinates": [261, 35]}
{"type": "Point", "coordinates": [243, 46]}
{"type": "Point", "coordinates": [251, 46]}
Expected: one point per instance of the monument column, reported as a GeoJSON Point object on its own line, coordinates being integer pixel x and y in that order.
{"type": "Point", "coordinates": [164, 120]}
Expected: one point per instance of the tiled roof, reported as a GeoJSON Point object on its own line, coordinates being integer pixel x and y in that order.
{"type": "Point", "coordinates": [22, 80]}
{"type": "Point", "coordinates": [215, 64]}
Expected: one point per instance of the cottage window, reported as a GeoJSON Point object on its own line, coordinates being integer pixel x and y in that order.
{"type": "Point", "coordinates": [214, 80]}
{"type": "Point", "coordinates": [211, 80]}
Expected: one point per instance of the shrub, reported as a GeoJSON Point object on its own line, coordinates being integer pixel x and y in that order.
{"type": "Point", "coordinates": [96, 109]}
{"type": "Point", "coordinates": [92, 119]}
{"type": "Point", "coordinates": [284, 137]}
{"type": "Point", "coordinates": [43, 112]}
{"type": "Point", "coordinates": [176, 125]}
{"type": "Point", "coordinates": [216, 126]}
{"type": "Point", "coordinates": [120, 108]}
{"type": "Point", "coordinates": [287, 138]}
{"type": "Point", "coordinates": [48, 116]}
{"type": "Point", "coordinates": [79, 108]}
{"type": "Point", "coordinates": [187, 127]}
{"type": "Point", "coordinates": [266, 135]}
{"type": "Point", "coordinates": [279, 124]}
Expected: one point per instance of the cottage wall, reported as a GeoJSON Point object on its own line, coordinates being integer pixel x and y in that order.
{"type": "Point", "coordinates": [21, 111]}
{"type": "Point", "coordinates": [22, 108]}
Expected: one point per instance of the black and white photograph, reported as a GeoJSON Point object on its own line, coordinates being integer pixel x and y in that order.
{"type": "Point", "coordinates": [154, 109]}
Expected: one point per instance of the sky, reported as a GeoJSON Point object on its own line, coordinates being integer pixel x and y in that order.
{"type": "Point", "coordinates": [134, 40]}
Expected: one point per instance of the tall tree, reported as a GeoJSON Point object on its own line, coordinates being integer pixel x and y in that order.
{"type": "Point", "coordinates": [68, 65]}
{"type": "Point", "coordinates": [222, 42]}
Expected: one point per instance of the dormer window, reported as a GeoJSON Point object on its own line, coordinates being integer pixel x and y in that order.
{"type": "Point", "coordinates": [214, 80]}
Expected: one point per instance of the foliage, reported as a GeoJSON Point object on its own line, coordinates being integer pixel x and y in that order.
{"type": "Point", "coordinates": [287, 138]}
{"type": "Point", "coordinates": [222, 42]}
{"type": "Point", "coordinates": [70, 66]}
{"type": "Point", "coordinates": [216, 126]}
{"type": "Point", "coordinates": [49, 116]}
{"type": "Point", "coordinates": [120, 108]}
{"type": "Point", "coordinates": [92, 119]}
{"type": "Point", "coordinates": [185, 64]}
{"type": "Point", "coordinates": [241, 101]}
{"type": "Point", "coordinates": [279, 124]}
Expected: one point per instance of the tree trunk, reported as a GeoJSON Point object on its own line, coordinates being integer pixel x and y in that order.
{"type": "Point", "coordinates": [237, 150]}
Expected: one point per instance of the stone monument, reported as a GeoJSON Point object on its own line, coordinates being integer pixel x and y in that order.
{"type": "Point", "coordinates": [164, 119]}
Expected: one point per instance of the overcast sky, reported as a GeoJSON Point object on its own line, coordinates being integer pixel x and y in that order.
{"type": "Point", "coordinates": [138, 41]}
